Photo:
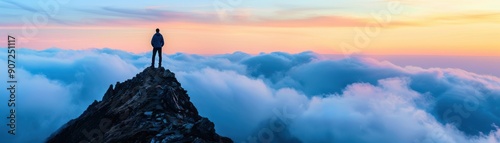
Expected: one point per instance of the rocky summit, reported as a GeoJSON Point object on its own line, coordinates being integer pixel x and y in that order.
{"type": "Point", "coordinates": [152, 107]}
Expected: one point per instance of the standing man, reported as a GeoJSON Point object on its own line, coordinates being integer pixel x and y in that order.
{"type": "Point", "coordinates": [157, 43]}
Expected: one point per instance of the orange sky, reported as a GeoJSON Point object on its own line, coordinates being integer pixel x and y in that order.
{"type": "Point", "coordinates": [409, 28]}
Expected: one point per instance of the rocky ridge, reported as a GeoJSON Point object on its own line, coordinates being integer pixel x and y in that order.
{"type": "Point", "coordinates": [152, 107]}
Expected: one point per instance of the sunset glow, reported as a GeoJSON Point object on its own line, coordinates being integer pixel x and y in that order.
{"type": "Point", "coordinates": [421, 27]}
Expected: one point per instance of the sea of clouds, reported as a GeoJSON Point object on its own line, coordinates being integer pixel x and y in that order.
{"type": "Point", "coordinates": [269, 96]}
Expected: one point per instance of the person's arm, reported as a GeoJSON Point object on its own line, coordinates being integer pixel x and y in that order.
{"type": "Point", "coordinates": [152, 41]}
{"type": "Point", "coordinates": [162, 41]}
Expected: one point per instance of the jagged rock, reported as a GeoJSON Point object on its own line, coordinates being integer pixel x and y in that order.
{"type": "Point", "coordinates": [151, 107]}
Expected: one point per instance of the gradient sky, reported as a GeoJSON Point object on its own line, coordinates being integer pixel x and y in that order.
{"type": "Point", "coordinates": [423, 27]}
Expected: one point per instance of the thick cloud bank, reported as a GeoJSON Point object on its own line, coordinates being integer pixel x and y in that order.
{"type": "Point", "coordinates": [271, 97]}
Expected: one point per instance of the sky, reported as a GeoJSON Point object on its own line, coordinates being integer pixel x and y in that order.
{"type": "Point", "coordinates": [375, 27]}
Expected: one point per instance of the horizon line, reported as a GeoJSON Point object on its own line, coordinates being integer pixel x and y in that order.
{"type": "Point", "coordinates": [263, 52]}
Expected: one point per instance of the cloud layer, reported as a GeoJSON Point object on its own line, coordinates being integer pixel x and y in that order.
{"type": "Point", "coordinates": [272, 96]}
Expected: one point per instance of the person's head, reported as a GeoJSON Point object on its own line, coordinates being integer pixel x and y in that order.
{"type": "Point", "coordinates": [157, 30]}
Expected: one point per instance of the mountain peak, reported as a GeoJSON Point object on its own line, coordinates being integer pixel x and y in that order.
{"type": "Point", "coordinates": [151, 107]}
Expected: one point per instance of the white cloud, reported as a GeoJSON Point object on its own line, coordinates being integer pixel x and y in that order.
{"type": "Point", "coordinates": [322, 100]}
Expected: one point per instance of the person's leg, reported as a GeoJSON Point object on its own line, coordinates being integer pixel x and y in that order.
{"type": "Point", "coordinates": [153, 59]}
{"type": "Point", "coordinates": [159, 54]}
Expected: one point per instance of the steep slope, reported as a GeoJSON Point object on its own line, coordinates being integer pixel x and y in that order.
{"type": "Point", "coordinates": [151, 107]}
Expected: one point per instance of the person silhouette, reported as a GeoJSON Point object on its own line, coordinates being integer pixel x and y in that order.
{"type": "Point", "coordinates": [157, 43]}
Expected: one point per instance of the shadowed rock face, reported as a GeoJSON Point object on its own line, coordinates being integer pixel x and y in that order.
{"type": "Point", "coordinates": [151, 107]}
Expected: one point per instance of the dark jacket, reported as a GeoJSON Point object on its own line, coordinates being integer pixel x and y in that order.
{"type": "Point", "coordinates": [157, 40]}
